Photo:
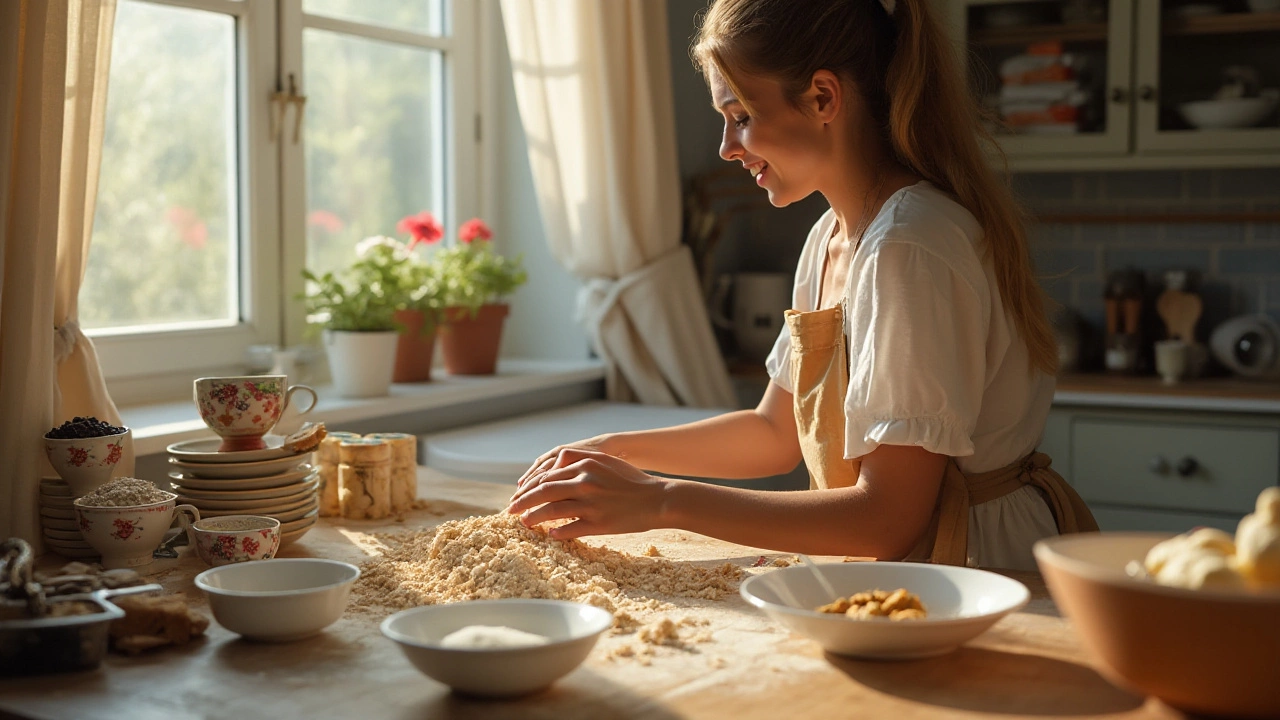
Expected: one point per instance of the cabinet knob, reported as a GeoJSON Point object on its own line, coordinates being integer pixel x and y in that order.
{"type": "Point", "coordinates": [1147, 93]}
{"type": "Point", "coordinates": [1187, 466]}
{"type": "Point", "coordinates": [1119, 95]}
{"type": "Point", "coordinates": [1158, 465]}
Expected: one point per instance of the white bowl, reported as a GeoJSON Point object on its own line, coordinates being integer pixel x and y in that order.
{"type": "Point", "coordinates": [87, 463]}
{"type": "Point", "coordinates": [961, 603]}
{"type": "Point", "coordinates": [572, 627]}
{"type": "Point", "coordinates": [278, 600]}
{"type": "Point", "coordinates": [1227, 114]}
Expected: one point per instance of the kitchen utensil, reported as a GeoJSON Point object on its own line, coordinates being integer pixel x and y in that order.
{"type": "Point", "coordinates": [817, 574]}
{"type": "Point", "coordinates": [1202, 651]}
{"type": "Point", "coordinates": [961, 604]}
{"type": "Point", "coordinates": [1123, 303]}
{"type": "Point", "coordinates": [1248, 345]}
{"type": "Point", "coordinates": [573, 629]}
{"type": "Point", "coordinates": [278, 600]}
{"type": "Point", "coordinates": [1180, 311]}
{"type": "Point", "coordinates": [1172, 359]}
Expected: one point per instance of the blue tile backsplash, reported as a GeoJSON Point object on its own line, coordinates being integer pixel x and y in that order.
{"type": "Point", "coordinates": [1238, 263]}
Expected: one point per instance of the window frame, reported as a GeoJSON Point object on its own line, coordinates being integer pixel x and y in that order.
{"type": "Point", "coordinates": [155, 365]}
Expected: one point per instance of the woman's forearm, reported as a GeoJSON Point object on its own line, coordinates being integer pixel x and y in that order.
{"type": "Point", "coordinates": [736, 445]}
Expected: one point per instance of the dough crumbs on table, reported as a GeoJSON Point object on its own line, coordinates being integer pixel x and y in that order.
{"type": "Point", "coordinates": [717, 662]}
{"type": "Point", "coordinates": [496, 556]}
{"type": "Point", "coordinates": [652, 551]}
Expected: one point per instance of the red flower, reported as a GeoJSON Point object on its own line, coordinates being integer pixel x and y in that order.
{"type": "Point", "coordinates": [250, 545]}
{"type": "Point", "coordinates": [124, 528]}
{"type": "Point", "coordinates": [77, 456]}
{"type": "Point", "coordinates": [423, 228]}
{"type": "Point", "coordinates": [473, 229]}
{"type": "Point", "coordinates": [113, 455]}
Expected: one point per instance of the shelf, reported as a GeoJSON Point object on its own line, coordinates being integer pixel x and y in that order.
{"type": "Point", "coordinates": [1229, 23]}
{"type": "Point", "coordinates": [1161, 218]}
{"type": "Point", "coordinates": [1092, 32]}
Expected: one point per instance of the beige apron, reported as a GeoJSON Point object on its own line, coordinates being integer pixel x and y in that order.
{"type": "Point", "coordinates": [820, 378]}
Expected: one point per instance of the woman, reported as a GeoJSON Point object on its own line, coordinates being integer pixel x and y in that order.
{"type": "Point", "coordinates": [916, 371]}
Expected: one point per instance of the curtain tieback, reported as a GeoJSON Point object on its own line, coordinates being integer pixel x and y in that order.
{"type": "Point", "coordinates": [65, 337]}
{"type": "Point", "coordinates": [598, 295]}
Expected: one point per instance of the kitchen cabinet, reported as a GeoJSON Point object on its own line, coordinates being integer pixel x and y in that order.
{"type": "Point", "coordinates": [1164, 470]}
{"type": "Point", "coordinates": [1112, 98]}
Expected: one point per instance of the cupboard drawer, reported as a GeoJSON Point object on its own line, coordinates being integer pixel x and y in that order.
{"type": "Point", "coordinates": [1131, 520]}
{"type": "Point", "coordinates": [1132, 463]}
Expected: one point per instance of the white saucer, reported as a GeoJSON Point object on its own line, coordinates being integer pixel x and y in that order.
{"type": "Point", "coordinates": [190, 482]}
{"type": "Point", "coordinates": [85, 552]}
{"type": "Point", "coordinates": [65, 544]}
{"type": "Point", "coordinates": [48, 501]}
{"type": "Point", "coordinates": [284, 513]}
{"type": "Point", "coordinates": [240, 470]}
{"type": "Point", "coordinates": [68, 535]}
{"type": "Point", "coordinates": [56, 488]}
{"type": "Point", "coordinates": [231, 500]}
{"type": "Point", "coordinates": [206, 451]}
{"type": "Point", "coordinates": [58, 524]}
{"type": "Point", "coordinates": [57, 513]}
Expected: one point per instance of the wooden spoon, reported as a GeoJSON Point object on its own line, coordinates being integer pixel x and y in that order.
{"type": "Point", "coordinates": [1180, 312]}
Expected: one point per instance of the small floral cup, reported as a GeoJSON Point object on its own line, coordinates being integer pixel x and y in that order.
{"type": "Point", "coordinates": [242, 409]}
{"type": "Point", "coordinates": [234, 538]}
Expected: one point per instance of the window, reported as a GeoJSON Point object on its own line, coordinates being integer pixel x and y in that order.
{"type": "Point", "coordinates": [219, 183]}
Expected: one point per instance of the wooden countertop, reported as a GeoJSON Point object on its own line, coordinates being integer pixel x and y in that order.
{"type": "Point", "coordinates": [1220, 394]}
{"type": "Point", "coordinates": [1030, 663]}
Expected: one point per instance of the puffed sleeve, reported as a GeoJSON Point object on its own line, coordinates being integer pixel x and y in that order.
{"type": "Point", "coordinates": [917, 353]}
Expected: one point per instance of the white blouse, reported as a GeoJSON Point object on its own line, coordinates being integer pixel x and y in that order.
{"type": "Point", "coordinates": [934, 359]}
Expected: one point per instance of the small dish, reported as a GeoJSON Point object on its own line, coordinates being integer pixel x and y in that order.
{"type": "Point", "coordinates": [961, 604]}
{"type": "Point", "coordinates": [57, 513]}
{"type": "Point", "coordinates": [68, 535]}
{"type": "Point", "coordinates": [572, 628]}
{"type": "Point", "coordinates": [257, 469]}
{"type": "Point", "coordinates": [206, 451]}
{"type": "Point", "coordinates": [271, 481]}
{"type": "Point", "coordinates": [257, 507]}
{"type": "Point", "coordinates": [278, 600]}
{"type": "Point", "coordinates": [234, 538]}
{"type": "Point", "coordinates": [282, 493]}
{"type": "Point", "coordinates": [291, 537]}
{"type": "Point", "coordinates": [49, 523]}
{"type": "Point", "coordinates": [303, 522]}
{"type": "Point", "coordinates": [284, 514]}
{"type": "Point", "coordinates": [1230, 113]}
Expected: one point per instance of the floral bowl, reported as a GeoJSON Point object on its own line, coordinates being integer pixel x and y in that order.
{"type": "Point", "coordinates": [86, 463]}
{"type": "Point", "coordinates": [234, 538]}
{"type": "Point", "coordinates": [127, 535]}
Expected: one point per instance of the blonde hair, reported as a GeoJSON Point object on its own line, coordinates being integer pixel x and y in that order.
{"type": "Point", "coordinates": [907, 73]}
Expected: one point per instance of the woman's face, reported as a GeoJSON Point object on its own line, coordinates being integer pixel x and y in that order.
{"type": "Point", "coordinates": [781, 146]}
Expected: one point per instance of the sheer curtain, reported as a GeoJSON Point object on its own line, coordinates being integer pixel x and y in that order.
{"type": "Point", "coordinates": [54, 59]}
{"type": "Point", "coordinates": [593, 85]}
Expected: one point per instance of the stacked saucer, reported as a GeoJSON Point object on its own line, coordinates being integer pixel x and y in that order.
{"type": "Point", "coordinates": [272, 482]}
{"type": "Point", "coordinates": [58, 520]}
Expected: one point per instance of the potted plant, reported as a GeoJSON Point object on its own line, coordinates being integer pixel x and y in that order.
{"type": "Point", "coordinates": [474, 281]}
{"type": "Point", "coordinates": [419, 313]}
{"type": "Point", "coordinates": [358, 307]}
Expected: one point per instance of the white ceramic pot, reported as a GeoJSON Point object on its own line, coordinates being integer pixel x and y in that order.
{"type": "Point", "coordinates": [361, 363]}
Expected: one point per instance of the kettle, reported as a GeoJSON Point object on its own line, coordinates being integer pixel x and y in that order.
{"type": "Point", "coordinates": [1248, 345]}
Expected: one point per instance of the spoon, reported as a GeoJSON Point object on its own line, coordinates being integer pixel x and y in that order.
{"type": "Point", "coordinates": [822, 579]}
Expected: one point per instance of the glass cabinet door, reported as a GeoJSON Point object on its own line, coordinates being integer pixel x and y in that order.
{"type": "Point", "coordinates": [1208, 75]}
{"type": "Point", "coordinates": [1054, 74]}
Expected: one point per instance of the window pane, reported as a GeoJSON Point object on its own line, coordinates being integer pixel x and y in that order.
{"type": "Point", "coordinates": [424, 16]}
{"type": "Point", "coordinates": [373, 137]}
{"type": "Point", "coordinates": [165, 240]}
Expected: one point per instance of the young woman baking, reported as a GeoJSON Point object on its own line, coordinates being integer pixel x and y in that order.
{"type": "Point", "coordinates": [916, 369]}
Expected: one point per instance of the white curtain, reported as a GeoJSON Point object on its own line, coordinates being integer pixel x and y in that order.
{"type": "Point", "coordinates": [593, 84]}
{"type": "Point", "coordinates": [54, 60]}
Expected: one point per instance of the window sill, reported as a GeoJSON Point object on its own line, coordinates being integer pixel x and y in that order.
{"type": "Point", "coordinates": [156, 426]}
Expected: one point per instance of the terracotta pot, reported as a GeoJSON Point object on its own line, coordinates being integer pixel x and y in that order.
{"type": "Point", "coordinates": [414, 348]}
{"type": "Point", "coordinates": [470, 344]}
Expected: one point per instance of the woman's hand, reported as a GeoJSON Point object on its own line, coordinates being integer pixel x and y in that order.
{"type": "Point", "coordinates": [551, 458]}
{"type": "Point", "coordinates": [606, 495]}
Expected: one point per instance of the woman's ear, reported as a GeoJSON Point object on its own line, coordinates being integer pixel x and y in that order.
{"type": "Point", "coordinates": [825, 96]}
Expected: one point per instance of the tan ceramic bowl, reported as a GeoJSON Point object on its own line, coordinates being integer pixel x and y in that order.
{"type": "Point", "coordinates": [1210, 652]}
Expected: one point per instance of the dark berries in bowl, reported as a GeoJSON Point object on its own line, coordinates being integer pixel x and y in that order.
{"type": "Point", "coordinates": [83, 427]}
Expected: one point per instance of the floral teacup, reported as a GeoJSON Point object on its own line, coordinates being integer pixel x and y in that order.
{"type": "Point", "coordinates": [234, 538]}
{"type": "Point", "coordinates": [86, 463]}
{"type": "Point", "coordinates": [244, 408]}
{"type": "Point", "coordinates": [128, 535]}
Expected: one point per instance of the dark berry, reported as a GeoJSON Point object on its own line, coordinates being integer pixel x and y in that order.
{"type": "Point", "coordinates": [83, 427]}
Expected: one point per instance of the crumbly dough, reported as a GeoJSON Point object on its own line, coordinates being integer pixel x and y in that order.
{"type": "Point", "coordinates": [1258, 541]}
{"type": "Point", "coordinates": [897, 605]}
{"type": "Point", "coordinates": [1203, 558]}
{"type": "Point", "coordinates": [492, 637]}
{"type": "Point", "coordinates": [152, 621]}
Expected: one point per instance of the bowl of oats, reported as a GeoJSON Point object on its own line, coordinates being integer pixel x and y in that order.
{"type": "Point", "coordinates": [886, 610]}
{"type": "Point", "coordinates": [126, 519]}
{"type": "Point", "coordinates": [498, 648]}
